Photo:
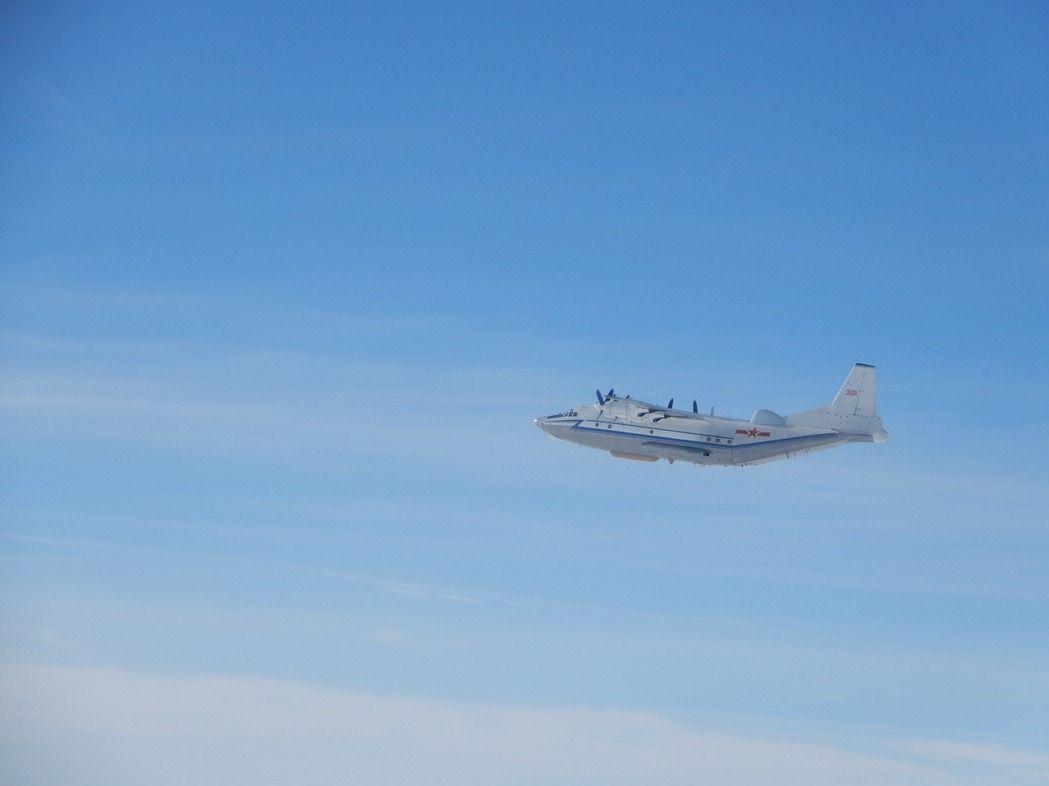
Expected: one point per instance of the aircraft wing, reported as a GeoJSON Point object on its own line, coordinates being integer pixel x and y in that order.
{"type": "Point", "coordinates": [662, 412]}
{"type": "Point", "coordinates": [656, 411]}
{"type": "Point", "coordinates": [677, 413]}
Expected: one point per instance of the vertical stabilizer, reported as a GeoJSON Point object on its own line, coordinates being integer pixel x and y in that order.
{"type": "Point", "coordinates": [853, 411]}
{"type": "Point", "coordinates": [857, 393]}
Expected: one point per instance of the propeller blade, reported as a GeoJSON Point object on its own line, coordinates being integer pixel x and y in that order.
{"type": "Point", "coordinates": [611, 392]}
{"type": "Point", "coordinates": [695, 407]}
{"type": "Point", "coordinates": [600, 398]}
{"type": "Point", "coordinates": [670, 404]}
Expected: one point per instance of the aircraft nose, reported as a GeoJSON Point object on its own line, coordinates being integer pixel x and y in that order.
{"type": "Point", "coordinates": [545, 425]}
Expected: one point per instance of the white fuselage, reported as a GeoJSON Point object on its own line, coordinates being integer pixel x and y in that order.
{"type": "Point", "coordinates": [628, 428]}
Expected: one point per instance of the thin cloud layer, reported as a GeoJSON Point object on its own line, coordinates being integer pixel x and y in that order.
{"type": "Point", "coordinates": [117, 727]}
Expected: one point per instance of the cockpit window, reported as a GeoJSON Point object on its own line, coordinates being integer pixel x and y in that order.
{"type": "Point", "coordinates": [570, 414]}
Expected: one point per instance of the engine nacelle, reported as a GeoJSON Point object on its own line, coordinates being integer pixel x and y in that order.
{"type": "Point", "coordinates": [766, 417]}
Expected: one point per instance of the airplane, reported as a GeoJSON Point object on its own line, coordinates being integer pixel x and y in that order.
{"type": "Point", "coordinates": [632, 429]}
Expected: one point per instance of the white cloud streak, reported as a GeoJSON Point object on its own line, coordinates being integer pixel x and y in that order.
{"type": "Point", "coordinates": [84, 726]}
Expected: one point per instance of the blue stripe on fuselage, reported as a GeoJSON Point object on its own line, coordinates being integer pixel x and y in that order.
{"type": "Point", "coordinates": [672, 441]}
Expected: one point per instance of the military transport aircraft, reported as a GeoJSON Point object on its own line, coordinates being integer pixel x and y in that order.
{"type": "Point", "coordinates": [632, 429]}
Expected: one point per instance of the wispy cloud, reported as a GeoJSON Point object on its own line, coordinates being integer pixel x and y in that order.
{"type": "Point", "coordinates": [426, 620]}
{"type": "Point", "coordinates": [398, 587]}
{"type": "Point", "coordinates": [1014, 765]}
{"type": "Point", "coordinates": [114, 725]}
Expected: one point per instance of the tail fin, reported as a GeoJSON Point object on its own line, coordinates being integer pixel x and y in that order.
{"type": "Point", "coordinates": [857, 393]}
{"type": "Point", "coordinates": [854, 410]}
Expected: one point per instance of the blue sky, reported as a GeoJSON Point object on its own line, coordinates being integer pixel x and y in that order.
{"type": "Point", "coordinates": [284, 287]}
